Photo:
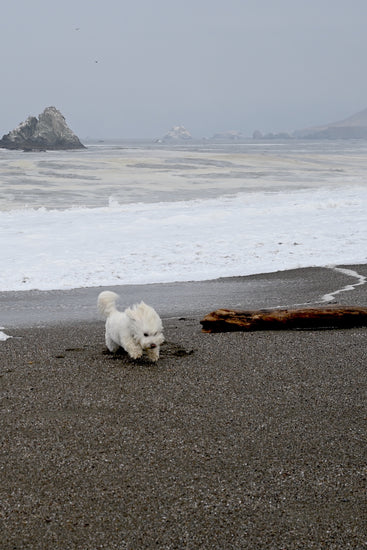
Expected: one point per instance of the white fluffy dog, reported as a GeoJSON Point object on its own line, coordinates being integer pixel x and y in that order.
{"type": "Point", "coordinates": [137, 329]}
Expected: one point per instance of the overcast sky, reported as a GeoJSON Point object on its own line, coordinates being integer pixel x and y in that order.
{"type": "Point", "coordinates": [134, 68]}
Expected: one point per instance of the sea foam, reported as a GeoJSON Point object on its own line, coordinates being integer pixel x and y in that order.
{"type": "Point", "coordinates": [139, 243]}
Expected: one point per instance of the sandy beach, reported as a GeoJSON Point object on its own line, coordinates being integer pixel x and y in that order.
{"type": "Point", "coordinates": [231, 441]}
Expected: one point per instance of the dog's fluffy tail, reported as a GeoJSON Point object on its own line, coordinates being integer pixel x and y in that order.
{"type": "Point", "coordinates": [107, 303]}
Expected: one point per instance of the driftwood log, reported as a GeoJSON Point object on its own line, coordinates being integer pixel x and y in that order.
{"type": "Point", "coordinates": [334, 316]}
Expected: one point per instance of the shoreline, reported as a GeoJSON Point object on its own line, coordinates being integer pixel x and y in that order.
{"type": "Point", "coordinates": [342, 284]}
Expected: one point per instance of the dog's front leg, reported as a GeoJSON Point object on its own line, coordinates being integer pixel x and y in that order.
{"type": "Point", "coordinates": [132, 348]}
{"type": "Point", "coordinates": [153, 354]}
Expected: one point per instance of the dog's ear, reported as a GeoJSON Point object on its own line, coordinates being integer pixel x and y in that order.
{"type": "Point", "coordinates": [131, 314]}
{"type": "Point", "coordinates": [137, 312]}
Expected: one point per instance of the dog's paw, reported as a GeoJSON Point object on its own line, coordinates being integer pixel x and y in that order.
{"type": "Point", "coordinates": [153, 354]}
{"type": "Point", "coordinates": [135, 353]}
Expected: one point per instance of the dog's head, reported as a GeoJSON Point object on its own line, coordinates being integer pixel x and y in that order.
{"type": "Point", "coordinates": [147, 329]}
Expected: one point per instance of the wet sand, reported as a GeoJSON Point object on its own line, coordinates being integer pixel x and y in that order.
{"type": "Point", "coordinates": [236, 440]}
{"type": "Point", "coordinates": [282, 288]}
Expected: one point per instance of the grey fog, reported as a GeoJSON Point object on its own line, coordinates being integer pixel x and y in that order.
{"type": "Point", "coordinates": [131, 69]}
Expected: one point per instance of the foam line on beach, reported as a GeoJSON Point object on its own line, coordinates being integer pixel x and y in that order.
{"type": "Point", "coordinates": [361, 280]}
{"type": "Point", "coordinates": [3, 336]}
{"type": "Point", "coordinates": [330, 296]}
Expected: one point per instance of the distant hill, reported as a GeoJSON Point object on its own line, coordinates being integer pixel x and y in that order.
{"type": "Point", "coordinates": [353, 127]}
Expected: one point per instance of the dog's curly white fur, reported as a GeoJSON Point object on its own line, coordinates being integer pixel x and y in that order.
{"type": "Point", "coordinates": [138, 329]}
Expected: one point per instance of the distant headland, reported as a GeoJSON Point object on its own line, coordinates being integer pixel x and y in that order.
{"type": "Point", "coordinates": [353, 127]}
{"type": "Point", "coordinates": [47, 132]}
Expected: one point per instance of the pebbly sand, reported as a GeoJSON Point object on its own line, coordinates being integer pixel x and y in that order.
{"type": "Point", "coordinates": [232, 441]}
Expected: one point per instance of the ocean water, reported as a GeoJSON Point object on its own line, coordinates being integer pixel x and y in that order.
{"type": "Point", "coordinates": [138, 212]}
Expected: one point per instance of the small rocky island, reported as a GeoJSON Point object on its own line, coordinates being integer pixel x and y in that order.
{"type": "Point", "coordinates": [47, 132]}
{"type": "Point", "coordinates": [230, 135]}
{"type": "Point", "coordinates": [177, 133]}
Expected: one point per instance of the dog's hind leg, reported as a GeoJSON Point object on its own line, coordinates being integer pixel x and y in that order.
{"type": "Point", "coordinates": [111, 345]}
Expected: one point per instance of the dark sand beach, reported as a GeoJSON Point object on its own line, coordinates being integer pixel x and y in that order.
{"type": "Point", "coordinates": [231, 441]}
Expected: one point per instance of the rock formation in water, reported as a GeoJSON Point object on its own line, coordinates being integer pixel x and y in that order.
{"type": "Point", "coordinates": [177, 133]}
{"type": "Point", "coordinates": [281, 135]}
{"type": "Point", "coordinates": [230, 135]}
{"type": "Point", "coordinates": [48, 131]}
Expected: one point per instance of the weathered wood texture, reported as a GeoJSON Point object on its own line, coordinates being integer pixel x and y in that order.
{"type": "Point", "coordinates": [227, 320]}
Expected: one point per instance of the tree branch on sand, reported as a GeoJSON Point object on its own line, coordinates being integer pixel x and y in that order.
{"type": "Point", "coordinates": [335, 316]}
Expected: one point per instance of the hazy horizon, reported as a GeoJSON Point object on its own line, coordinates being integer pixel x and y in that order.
{"type": "Point", "coordinates": [123, 70]}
